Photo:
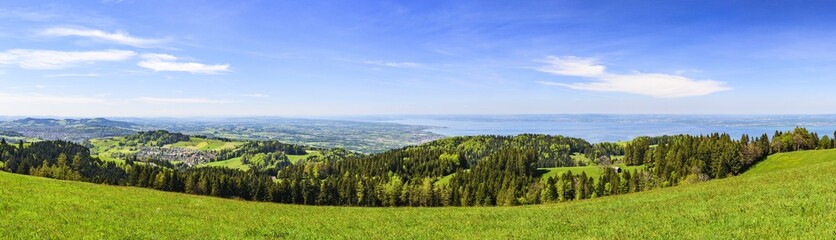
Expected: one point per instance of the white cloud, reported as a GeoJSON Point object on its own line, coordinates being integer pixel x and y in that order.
{"type": "Point", "coordinates": [165, 62]}
{"type": "Point", "coordinates": [657, 85]}
{"type": "Point", "coordinates": [159, 56]}
{"type": "Point", "coordinates": [122, 38]}
{"type": "Point", "coordinates": [48, 59]}
{"type": "Point", "coordinates": [256, 95]}
{"type": "Point", "coordinates": [572, 66]}
{"type": "Point", "coordinates": [156, 100]}
{"type": "Point", "coordinates": [394, 64]}
{"type": "Point", "coordinates": [18, 98]}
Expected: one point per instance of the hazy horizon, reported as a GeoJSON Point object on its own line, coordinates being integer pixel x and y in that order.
{"type": "Point", "coordinates": [363, 116]}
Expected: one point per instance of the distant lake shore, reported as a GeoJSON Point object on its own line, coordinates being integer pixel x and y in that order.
{"type": "Point", "coordinates": [611, 128]}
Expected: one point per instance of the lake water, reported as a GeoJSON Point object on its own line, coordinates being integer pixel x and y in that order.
{"type": "Point", "coordinates": [610, 128]}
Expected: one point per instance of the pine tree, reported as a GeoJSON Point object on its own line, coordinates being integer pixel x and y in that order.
{"type": "Point", "coordinates": [160, 181]}
{"type": "Point", "coordinates": [361, 193]}
{"type": "Point", "coordinates": [78, 163]}
{"type": "Point", "coordinates": [549, 193]}
{"type": "Point", "coordinates": [20, 149]}
{"type": "Point", "coordinates": [627, 184]}
{"type": "Point", "coordinates": [426, 192]}
{"type": "Point", "coordinates": [62, 160]}
{"type": "Point", "coordinates": [825, 142]}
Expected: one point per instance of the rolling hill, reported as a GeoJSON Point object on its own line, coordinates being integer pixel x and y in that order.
{"type": "Point", "coordinates": [788, 195]}
{"type": "Point", "coordinates": [76, 130]}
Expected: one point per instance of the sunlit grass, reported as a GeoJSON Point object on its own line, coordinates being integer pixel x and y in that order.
{"type": "Point", "coordinates": [794, 202]}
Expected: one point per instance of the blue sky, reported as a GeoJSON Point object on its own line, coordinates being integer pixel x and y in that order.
{"type": "Point", "coordinates": [306, 58]}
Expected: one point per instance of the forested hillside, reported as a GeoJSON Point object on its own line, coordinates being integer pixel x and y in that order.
{"type": "Point", "coordinates": [479, 170]}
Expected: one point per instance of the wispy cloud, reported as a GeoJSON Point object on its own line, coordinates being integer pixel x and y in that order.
{"type": "Point", "coordinates": [256, 95]}
{"type": "Point", "coordinates": [394, 64]}
{"type": "Point", "coordinates": [157, 100]}
{"type": "Point", "coordinates": [62, 75]}
{"type": "Point", "coordinates": [573, 66]}
{"type": "Point", "coordinates": [650, 84]}
{"type": "Point", "coordinates": [122, 38]}
{"type": "Point", "coordinates": [165, 62]}
{"type": "Point", "coordinates": [26, 14]}
{"type": "Point", "coordinates": [18, 98]}
{"type": "Point", "coordinates": [52, 13]}
{"type": "Point", "coordinates": [48, 59]}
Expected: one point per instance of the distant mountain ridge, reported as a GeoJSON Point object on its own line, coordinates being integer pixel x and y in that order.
{"type": "Point", "coordinates": [366, 137]}
{"type": "Point", "coordinates": [10, 133]}
{"type": "Point", "coordinates": [90, 122]}
{"type": "Point", "coordinates": [76, 130]}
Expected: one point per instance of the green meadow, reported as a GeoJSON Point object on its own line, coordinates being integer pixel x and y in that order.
{"type": "Point", "coordinates": [591, 171]}
{"type": "Point", "coordinates": [296, 158]}
{"type": "Point", "coordinates": [236, 163]}
{"type": "Point", "coordinates": [788, 196]}
{"type": "Point", "coordinates": [781, 161]}
{"type": "Point", "coordinates": [204, 144]}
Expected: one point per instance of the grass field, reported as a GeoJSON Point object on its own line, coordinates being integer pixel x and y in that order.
{"type": "Point", "coordinates": [234, 163]}
{"type": "Point", "coordinates": [781, 161]}
{"type": "Point", "coordinates": [204, 144]}
{"type": "Point", "coordinates": [446, 179]}
{"type": "Point", "coordinates": [591, 171]}
{"type": "Point", "coordinates": [102, 148]}
{"type": "Point", "coordinates": [295, 158]}
{"type": "Point", "coordinates": [789, 201]}
{"type": "Point", "coordinates": [579, 157]}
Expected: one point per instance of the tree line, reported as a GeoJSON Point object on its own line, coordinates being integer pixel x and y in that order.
{"type": "Point", "coordinates": [157, 138]}
{"type": "Point", "coordinates": [457, 171]}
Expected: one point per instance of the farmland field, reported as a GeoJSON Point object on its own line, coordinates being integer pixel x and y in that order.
{"type": "Point", "coordinates": [204, 144]}
{"type": "Point", "coordinates": [295, 158]}
{"type": "Point", "coordinates": [234, 163]}
{"type": "Point", "coordinates": [791, 201]}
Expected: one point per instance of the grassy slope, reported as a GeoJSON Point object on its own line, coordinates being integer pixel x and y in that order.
{"type": "Point", "coordinates": [102, 148]}
{"type": "Point", "coordinates": [578, 157]}
{"type": "Point", "coordinates": [591, 171]}
{"type": "Point", "coordinates": [234, 163]}
{"type": "Point", "coordinates": [295, 158]}
{"type": "Point", "coordinates": [789, 160]}
{"type": "Point", "coordinates": [795, 202]}
{"type": "Point", "coordinates": [204, 144]}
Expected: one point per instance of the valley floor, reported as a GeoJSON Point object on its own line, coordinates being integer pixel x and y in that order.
{"type": "Point", "coordinates": [790, 200]}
